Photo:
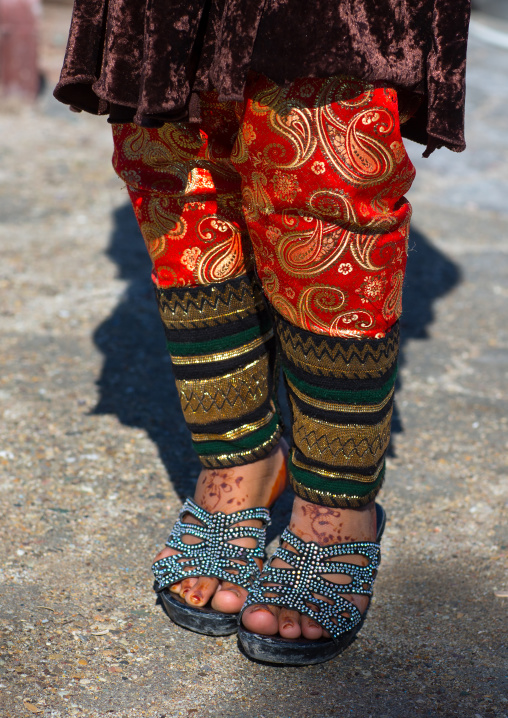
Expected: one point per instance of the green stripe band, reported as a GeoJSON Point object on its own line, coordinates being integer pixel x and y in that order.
{"type": "Point", "coordinates": [220, 343]}
{"type": "Point", "coordinates": [250, 441]}
{"type": "Point", "coordinates": [310, 480]}
{"type": "Point", "coordinates": [345, 396]}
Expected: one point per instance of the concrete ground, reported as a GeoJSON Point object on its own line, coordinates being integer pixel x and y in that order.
{"type": "Point", "coordinates": [94, 461]}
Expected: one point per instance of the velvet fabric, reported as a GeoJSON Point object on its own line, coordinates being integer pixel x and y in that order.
{"type": "Point", "coordinates": [142, 60]}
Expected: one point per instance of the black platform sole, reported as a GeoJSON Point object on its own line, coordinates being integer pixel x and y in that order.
{"type": "Point", "coordinates": [301, 651]}
{"type": "Point", "coordinates": [200, 620]}
{"type": "Point", "coordinates": [292, 651]}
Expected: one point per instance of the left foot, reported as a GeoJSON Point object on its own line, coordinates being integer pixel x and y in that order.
{"type": "Point", "coordinates": [324, 526]}
{"type": "Point", "coordinates": [229, 490]}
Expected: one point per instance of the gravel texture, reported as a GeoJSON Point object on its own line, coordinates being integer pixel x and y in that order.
{"type": "Point", "coordinates": [94, 460]}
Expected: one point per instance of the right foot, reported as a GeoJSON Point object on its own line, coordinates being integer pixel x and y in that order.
{"type": "Point", "coordinates": [323, 526]}
{"type": "Point", "coordinates": [230, 490]}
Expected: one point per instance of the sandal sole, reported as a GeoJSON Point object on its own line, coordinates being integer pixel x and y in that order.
{"type": "Point", "coordinates": [200, 620]}
{"type": "Point", "coordinates": [292, 651]}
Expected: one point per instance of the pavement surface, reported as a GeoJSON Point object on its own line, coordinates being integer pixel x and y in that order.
{"type": "Point", "coordinates": [94, 460]}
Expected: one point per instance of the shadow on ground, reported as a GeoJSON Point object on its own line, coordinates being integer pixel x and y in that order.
{"type": "Point", "coordinates": [135, 382]}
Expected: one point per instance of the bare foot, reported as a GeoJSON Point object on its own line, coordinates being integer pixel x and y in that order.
{"type": "Point", "coordinates": [230, 490]}
{"type": "Point", "coordinates": [324, 526]}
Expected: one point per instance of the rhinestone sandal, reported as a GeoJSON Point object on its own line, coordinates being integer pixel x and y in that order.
{"type": "Point", "coordinates": [303, 588]}
{"type": "Point", "coordinates": [216, 556]}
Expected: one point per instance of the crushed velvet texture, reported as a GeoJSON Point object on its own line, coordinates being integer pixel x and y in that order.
{"type": "Point", "coordinates": [143, 59]}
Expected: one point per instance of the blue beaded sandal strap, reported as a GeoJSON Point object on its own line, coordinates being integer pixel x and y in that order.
{"type": "Point", "coordinates": [191, 507]}
{"type": "Point", "coordinates": [214, 555]}
{"type": "Point", "coordinates": [300, 586]}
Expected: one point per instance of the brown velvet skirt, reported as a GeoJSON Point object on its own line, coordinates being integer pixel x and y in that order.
{"type": "Point", "coordinates": [143, 60]}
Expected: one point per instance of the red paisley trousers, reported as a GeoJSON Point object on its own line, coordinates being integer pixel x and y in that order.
{"type": "Point", "coordinates": [305, 184]}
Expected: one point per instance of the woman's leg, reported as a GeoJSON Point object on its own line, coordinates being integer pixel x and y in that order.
{"type": "Point", "coordinates": [324, 171]}
{"type": "Point", "coordinates": [186, 196]}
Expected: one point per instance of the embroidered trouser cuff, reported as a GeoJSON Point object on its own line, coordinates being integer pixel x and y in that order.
{"type": "Point", "coordinates": [341, 398]}
{"type": "Point", "coordinates": [222, 347]}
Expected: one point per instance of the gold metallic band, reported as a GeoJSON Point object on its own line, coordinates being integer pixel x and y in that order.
{"type": "Point", "coordinates": [323, 358]}
{"type": "Point", "coordinates": [242, 457]}
{"type": "Point", "coordinates": [222, 356]}
{"type": "Point", "coordinates": [219, 305]}
{"type": "Point", "coordinates": [239, 432]}
{"type": "Point", "coordinates": [231, 396]}
{"type": "Point", "coordinates": [338, 476]}
{"type": "Point", "coordinates": [333, 406]}
{"type": "Point", "coordinates": [338, 501]}
{"type": "Point", "coordinates": [339, 444]}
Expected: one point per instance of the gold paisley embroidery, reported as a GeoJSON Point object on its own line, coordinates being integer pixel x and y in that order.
{"type": "Point", "coordinates": [256, 199]}
{"type": "Point", "coordinates": [393, 302]}
{"type": "Point", "coordinates": [284, 307]}
{"type": "Point", "coordinates": [270, 281]}
{"type": "Point", "coordinates": [306, 254]}
{"type": "Point", "coordinates": [295, 127]}
{"type": "Point", "coordinates": [184, 141]}
{"type": "Point", "coordinates": [362, 246]}
{"type": "Point", "coordinates": [292, 121]}
{"type": "Point", "coordinates": [271, 97]}
{"type": "Point", "coordinates": [224, 259]}
{"type": "Point", "coordinates": [162, 225]}
{"type": "Point", "coordinates": [240, 152]}
{"type": "Point", "coordinates": [134, 144]}
{"type": "Point", "coordinates": [324, 298]}
{"type": "Point", "coordinates": [358, 156]}
{"type": "Point", "coordinates": [348, 92]}
{"type": "Point", "coordinates": [334, 204]}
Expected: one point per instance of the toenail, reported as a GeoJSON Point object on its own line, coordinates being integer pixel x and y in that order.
{"type": "Point", "coordinates": [194, 598]}
{"type": "Point", "coordinates": [288, 624]}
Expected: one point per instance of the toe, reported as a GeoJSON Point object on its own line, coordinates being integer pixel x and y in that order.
{"type": "Point", "coordinates": [289, 624]}
{"type": "Point", "coordinates": [229, 598]}
{"type": "Point", "coordinates": [261, 619]}
{"type": "Point", "coordinates": [202, 591]}
{"type": "Point", "coordinates": [311, 629]}
{"type": "Point", "coordinates": [186, 585]}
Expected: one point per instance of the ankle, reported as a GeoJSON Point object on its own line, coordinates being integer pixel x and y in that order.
{"type": "Point", "coordinates": [326, 526]}
{"type": "Point", "coordinates": [242, 487]}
